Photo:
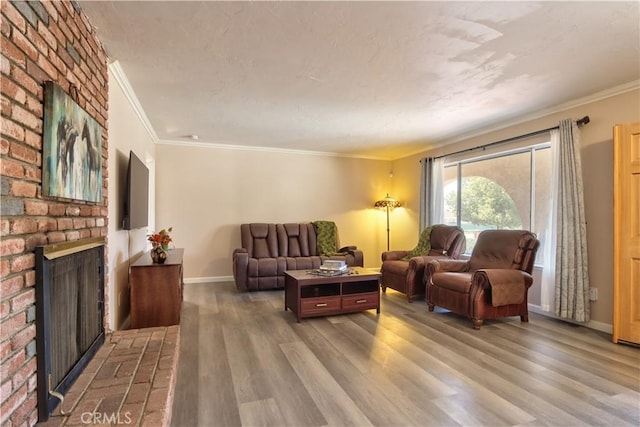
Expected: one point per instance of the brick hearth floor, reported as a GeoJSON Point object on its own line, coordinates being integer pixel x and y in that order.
{"type": "Point", "coordinates": [129, 381]}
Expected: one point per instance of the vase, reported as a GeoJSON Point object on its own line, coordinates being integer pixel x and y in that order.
{"type": "Point", "coordinates": [158, 256]}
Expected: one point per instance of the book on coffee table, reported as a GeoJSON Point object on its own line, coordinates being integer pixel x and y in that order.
{"type": "Point", "coordinates": [334, 264]}
{"type": "Point", "coordinates": [328, 271]}
{"type": "Point", "coordinates": [325, 268]}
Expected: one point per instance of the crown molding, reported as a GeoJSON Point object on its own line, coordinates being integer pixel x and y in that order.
{"type": "Point", "coordinates": [202, 144]}
{"type": "Point", "coordinates": [123, 82]}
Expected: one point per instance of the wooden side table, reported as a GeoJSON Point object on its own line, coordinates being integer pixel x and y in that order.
{"type": "Point", "coordinates": [156, 290]}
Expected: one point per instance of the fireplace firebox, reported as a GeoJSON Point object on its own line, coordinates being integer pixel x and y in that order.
{"type": "Point", "coordinates": [69, 315]}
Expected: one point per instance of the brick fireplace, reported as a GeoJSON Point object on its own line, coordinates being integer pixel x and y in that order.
{"type": "Point", "coordinates": [41, 41]}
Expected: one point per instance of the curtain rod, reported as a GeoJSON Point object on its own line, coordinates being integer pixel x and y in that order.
{"type": "Point", "coordinates": [583, 121]}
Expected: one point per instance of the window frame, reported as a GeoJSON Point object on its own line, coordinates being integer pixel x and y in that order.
{"type": "Point", "coordinates": [531, 149]}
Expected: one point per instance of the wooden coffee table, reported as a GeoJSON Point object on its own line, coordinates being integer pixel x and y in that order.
{"type": "Point", "coordinates": [309, 295]}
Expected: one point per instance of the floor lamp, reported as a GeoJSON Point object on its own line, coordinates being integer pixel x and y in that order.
{"type": "Point", "coordinates": [387, 203]}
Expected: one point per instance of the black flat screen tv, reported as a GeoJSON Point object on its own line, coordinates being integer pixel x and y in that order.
{"type": "Point", "coordinates": [136, 204]}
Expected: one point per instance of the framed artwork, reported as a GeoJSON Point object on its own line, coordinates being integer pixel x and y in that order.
{"type": "Point", "coordinates": [72, 149]}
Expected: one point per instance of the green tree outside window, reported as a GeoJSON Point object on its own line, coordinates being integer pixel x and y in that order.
{"type": "Point", "coordinates": [485, 203]}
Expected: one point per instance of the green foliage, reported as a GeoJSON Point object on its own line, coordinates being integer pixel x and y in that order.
{"type": "Point", "coordinates": [485, 203]}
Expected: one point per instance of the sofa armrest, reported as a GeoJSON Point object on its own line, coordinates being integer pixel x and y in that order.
{"type": "Point", "coordinates": [358, 257]}
{"type": "Point", "coordinates": [347, 248]}
{"type": "Point", "coordinates": [240, 268]}
{"type": "Point", "coordinates": [501, 286]}
{"type": "Point", "coordinates": [393, 255]}
{"type": "Point", "coordinates": [418, 263]}
{"type": "Point", "coordinates": [484, 277]}
{"type": "Point", "coordinates": [442, 265]}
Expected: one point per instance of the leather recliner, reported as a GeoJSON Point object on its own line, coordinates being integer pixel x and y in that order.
{"type": "Point", "coordinates": [493, 283]}
{"type": "Point", "coordinates": [407, 276]}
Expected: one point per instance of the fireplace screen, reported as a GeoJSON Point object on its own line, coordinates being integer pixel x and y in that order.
{"type": "Point", "coordinates": [70, 311]}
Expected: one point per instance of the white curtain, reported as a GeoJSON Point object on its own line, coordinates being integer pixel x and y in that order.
{"type": "Point", "coordinates": [567, 240]}
{"type": "Point", "coordinates": [431, 192]}
{"type": "Point", "coordinates": [548, 239]}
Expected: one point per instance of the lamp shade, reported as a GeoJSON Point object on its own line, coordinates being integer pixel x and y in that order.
{"type": "Point", "coordinates": [387, 202]}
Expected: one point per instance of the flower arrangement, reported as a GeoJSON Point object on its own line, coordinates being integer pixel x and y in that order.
{"type": "Point", "coordinates": [161, 239]}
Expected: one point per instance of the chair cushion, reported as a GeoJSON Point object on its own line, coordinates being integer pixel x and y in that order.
{"type": "Point", "coordinates": [293, 240]}
{"type": "Point", "coordinates": [457, 282]}
{"type": "Point", "coordinates": [442, 238]}
{"type": "Point", "coordinates": [495, 249]}
{"type": "Point", "coordinates": [260, 240]}
{"type": "Point", "coordinates": [303, 263]}
{"type": "Point", "coordinates": [262, 267]}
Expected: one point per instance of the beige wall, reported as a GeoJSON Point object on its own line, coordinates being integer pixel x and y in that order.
{"type": "Point", "coordinates": [205, 194]}
{"type": "Point", "coordinates": [126, 132]}
{"type": "Point", "coordinates": [597, 164]}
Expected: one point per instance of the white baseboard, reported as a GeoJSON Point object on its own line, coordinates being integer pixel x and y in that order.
{"type": "Point", "coordinates": [208, 279]}
{"type": "Point", "coordinates": [592, 324]}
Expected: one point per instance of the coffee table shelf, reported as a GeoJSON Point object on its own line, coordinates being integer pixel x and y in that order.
{"type": "Point", "coordinates": [308, 295]}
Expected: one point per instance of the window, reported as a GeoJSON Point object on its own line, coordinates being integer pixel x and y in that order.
{"type": "Point", "coordinates": [508, 190]}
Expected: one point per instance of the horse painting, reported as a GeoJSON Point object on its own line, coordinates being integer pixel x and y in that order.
{"type": "Point", "coordinates": [72, 164]}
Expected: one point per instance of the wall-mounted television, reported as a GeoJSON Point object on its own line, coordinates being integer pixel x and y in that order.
{"type": "Point", "coordinates": [136, 204]}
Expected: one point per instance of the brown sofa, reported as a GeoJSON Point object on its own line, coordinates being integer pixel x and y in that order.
{"type": "Point", "coordinates": [268, 250]}
{"type": "Point", "coordinates": [407, 276]}
{"type": "Point", "coordinates": [493, 283]}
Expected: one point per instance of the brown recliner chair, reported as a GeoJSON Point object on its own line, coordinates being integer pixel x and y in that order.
{"type": "Point", "coordinates": [407, 276]}
{"type": "Point", "coordinates": [493, 283]}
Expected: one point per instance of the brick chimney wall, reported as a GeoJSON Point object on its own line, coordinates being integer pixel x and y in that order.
{"type": "Point", "coordinates": [41, 40]}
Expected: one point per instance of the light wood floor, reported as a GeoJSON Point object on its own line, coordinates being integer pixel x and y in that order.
{"type": "Point", "coordinates": [245, 361]}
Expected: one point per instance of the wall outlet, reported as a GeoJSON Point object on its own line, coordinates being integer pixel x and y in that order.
{"type": "Point", "coordinates": [593, 294]}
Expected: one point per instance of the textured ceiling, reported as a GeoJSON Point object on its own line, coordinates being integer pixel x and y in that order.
{"type": "Point", "coordinates": [378, 79]}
